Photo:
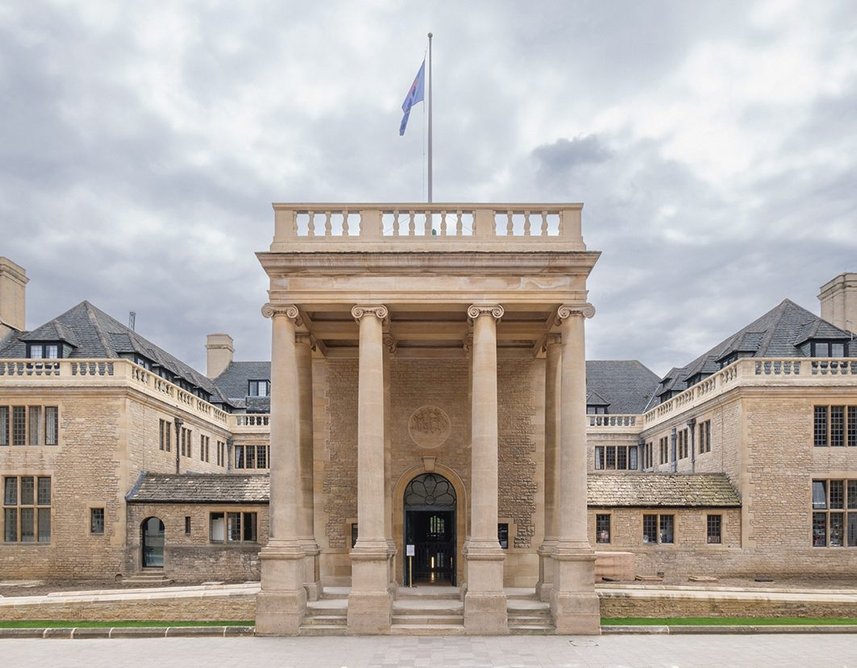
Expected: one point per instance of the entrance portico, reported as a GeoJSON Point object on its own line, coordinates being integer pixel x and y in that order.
{"type": "Point", "coordinates": [428, 325]}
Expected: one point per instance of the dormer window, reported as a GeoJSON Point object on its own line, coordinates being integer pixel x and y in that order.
{"type": "Point", "coordinates": [258, 388]}
{"type": "Point", "coordinates": [814, 348]}
{"type": "Point", "coordinates": [47, 351]}
{"type": "Point", "coordinates": [596, 410]}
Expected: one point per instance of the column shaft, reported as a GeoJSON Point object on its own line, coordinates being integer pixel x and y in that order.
{"type": "Point", "coordinates": [553, 359]}
{"type": "Point", "coordinates": [303, 362]}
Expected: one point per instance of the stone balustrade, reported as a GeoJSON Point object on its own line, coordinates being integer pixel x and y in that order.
{"type": "Point", "coordinates": [408, 226]}
{"type": "Point", "coordinates": [767, 372]}
{"type": "Point", "coordinates": [613, 423]}
{"type": "Point", "coordinates": [100, 372]}
{"type": "Point", "coordinates": [249, 422]}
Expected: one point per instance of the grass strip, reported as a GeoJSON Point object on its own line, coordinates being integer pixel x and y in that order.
{"type": "Point", "coordinates": [728, 621]}
{"type": "Point", "coordinates": [122, 623]}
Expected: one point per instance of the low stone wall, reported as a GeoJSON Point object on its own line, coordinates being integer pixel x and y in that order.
{"type": "Point", "coordinates": [695, 603]}
{"type": "Point", "coordinates": [218, 607]}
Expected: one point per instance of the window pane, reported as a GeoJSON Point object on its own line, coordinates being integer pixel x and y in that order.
{"type": "Point", "coordinates": [819, 494]}
{"type": "Point", "coordinates": [10, 491]}
{"type": "Point", "coordinates": [10, 522]}
{"type": "Point", "coordinates": [218, 528]}
{"type": "Point", "coordinates": [239, 456]}
{"type": "Point", "coordinates": [819, 529]}
{"type": "Point", "coordinates": [27, 489]}
{"type": "Point", "coordinates": [44, 491]}
{"type": "Point", "coordinates": [4, 425]}
{"type": "Point", "coordinates": [650, 528]}
{"type": "Point", "coordinates": [250, 527]}
{"type": "Point", "coordinates": [837, 494]}
{"type": "Point", "coordinates": [44, 525]}
{"type": "Point", "coordinates": [28, 533]}
{"type": "Point", "coordinates": [250, 455]}
{"type": "Point", "coordinates": [852, 529]}
{"type": "Point", "coordinates": [836, 529]}
{"type": "Point", "coordinates": [96, 520]}
{"type": "Point", "coordinates": [51, 425]}
{"type": "Point", "coordinates": [35, 423]}
{"type": "Point", "coordinates": [666, 528]}
{"type": "Point", "coordinates": [602, 528]}
{"type": "Point", "coordinates": [852, 493]}
{"type": "Point", "coordinates": [52, 351]}
{"type": "Point", "coordinates": [714, 528]}
{"type": "Point", "coordinates": [837, 426]}
{"type": "Point", "coordinates": [599, 458]}
{"type": "Point", "coordinates": [233, 526]}
{"type": "Point", "coordinates": [820, 438]}
{"type": "Point", "coordinates": [19, 425]}
{"type": "Point", "coordinates": [852, 426]}
{"type": "Point", "coordinates": [632, 458]}
{"type": "Point", "coordinates": [262, 456]}
{"type": "Point", "coordinates": [622, 458]}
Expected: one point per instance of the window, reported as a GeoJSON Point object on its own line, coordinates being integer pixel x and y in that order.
{"type": "Point", "coordinates": [233, 527]}
{"type": "Point", "coordinates": [185, 442]}
{"type": "Point", "coordinates": [187, 525]}
{"type": "Point", "coordinates": [592, 409]}
{"type": "Point", "coordinates": [602, 528]}
{"type": "Point", "coordinates": [664, 446]}
{"type": "Point", "coordinates": [681, 437]}
{"type": "Point", "coordinates": [29, 425]}
{"type": "Point", "coordinates": [834, 516]}
{"type": "Point", "coordinates": [648, 458]}
{"type": "Point", "coordinates": [622, 457]}
{"type": "Point", "coordinates": [165, 432]}
{"type": "Point", "coordinates": [26, 509]}
{"type": "Point", "coordinates": [658, 529]}
{"type": "Point", "coordinates": [258, 388]}
{"type": "Point", "coordinates": [835, 426]}
{"type": "Point", "coordinates": [826, 348]}
{"type": "Point", "coordinates": [503, 535]}
{"type": "Point", "coordinates": [47, 351]}
{"type": "Point", "coordinates": [96, 520]}
{"type": "Point", "coordinates": [704, 437]}
{"type": "Point", "coordinates": [203, 447]}
{"type": "Point", "coordinates": [251, 456]}
{"type": "Point", "coordinates": [714, 526]}
{"type": "Point", "coordinates": [221, 453]}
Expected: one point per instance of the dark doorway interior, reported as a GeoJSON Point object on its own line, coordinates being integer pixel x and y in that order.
{"type": "Point", "coordinates": [429, 506]}
{"type": "Point", "coordinates": [153, 543]}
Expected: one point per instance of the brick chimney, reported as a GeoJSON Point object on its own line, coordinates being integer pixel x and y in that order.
{"type": "Point", "coordinates": [839, 301]}
{"type": "Point", "coordinates": [13, 293]}
{"type": "Point", "coordinates": [218, 354]}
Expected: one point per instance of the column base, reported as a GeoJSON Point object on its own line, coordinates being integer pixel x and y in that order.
{"type": "Point", "coordinates": [575, 606]}
{"type": "Point", "coordinates": [312, 580]}
{"type": "Point", "coordinates": [544, 586]}
{"type": "Point", "coordinates": [281, 604]}
{"type": "Point", "coordinates": [370, 604]}
{"type": "Point", "coordinates": [485, 610]}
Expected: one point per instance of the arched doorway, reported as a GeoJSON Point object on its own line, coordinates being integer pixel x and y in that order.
{"type": "Point", "coordinates": [429, 509]}
{"type": "Point", "coordinates": [152, 541]}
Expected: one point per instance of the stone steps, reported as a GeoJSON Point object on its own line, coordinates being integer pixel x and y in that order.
{"type": "Point", "coordinates": [148, 577]}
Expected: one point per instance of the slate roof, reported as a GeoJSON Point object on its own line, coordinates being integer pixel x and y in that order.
{"type": "Point", "coordinates": [200, 488]}
{"type": "Point", "coordinates": [778, 333]}
{"type": "Point", "coordinates": [92, 333]}
{"type": "Point", "coordinates": [625, 385]}
{"type": "Point", "coordinates": [233, 384]}
{"type": "Point", "coordinates": [663, 490]}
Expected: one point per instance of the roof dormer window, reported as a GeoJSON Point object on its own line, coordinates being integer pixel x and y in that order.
{"type": "Point", "coordinates": [815, 348]}
{"type": "Point", "coordinates": [258, 388]}
{"type": "Point", "coordinates": [47, 351]}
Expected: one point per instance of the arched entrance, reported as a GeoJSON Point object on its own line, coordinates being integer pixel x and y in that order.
{"type": "Point", "coordinates": [429, 509]}
{"type": "Point", "coordinates": [152, 542]}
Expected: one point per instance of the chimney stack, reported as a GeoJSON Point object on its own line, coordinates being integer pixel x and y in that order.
{"type": "Point", "coordinates": [13, 289]}
{"type": "Point", "coordinates": [839, 301]}
{"type": "Point", "coordinates": [218, 354]}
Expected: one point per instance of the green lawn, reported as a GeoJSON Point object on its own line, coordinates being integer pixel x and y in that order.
{"type": "Point", "coordinates": [81, 624]}
{"type": "Point", "coordinates": [728, 621]}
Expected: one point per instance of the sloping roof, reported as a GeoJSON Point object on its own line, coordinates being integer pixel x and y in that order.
{"type": "Point", "coordinates": [200, 488]}
{"type": "Point", "coordinates": [778, 333]}
{"type": "Point", "coordinates": [625, 385]}
{"type": "Point", "coordinates": [233, 383]}
{"type": "Point", "coordinates": [710, 490]}
{"type": "Point", "coordinates": [94, 334]}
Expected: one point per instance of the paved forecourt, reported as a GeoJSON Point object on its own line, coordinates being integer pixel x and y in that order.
{"type": "Point", "coordinates": [402, 651]}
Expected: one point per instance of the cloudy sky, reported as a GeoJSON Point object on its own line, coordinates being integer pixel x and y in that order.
{"type": "Point", "coordinates": [714, 145]}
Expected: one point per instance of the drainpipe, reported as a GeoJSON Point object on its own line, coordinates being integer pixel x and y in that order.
{"type": "Point", "coordinates": [229, 443]}
{"type": "Point", "coordinates": [691, 424]}
{"type": "Point", "coordinates": [641, 452]}
{"type": "Point", "coordinates": [179, 422]}
{"type": "Point", "coordinates": [674, 466]}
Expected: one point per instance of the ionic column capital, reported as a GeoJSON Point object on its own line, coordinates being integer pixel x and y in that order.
{"type": "Point", "coordinates": [494, 310]}
{"type": "Point", "coordinates": [574, 310]}
{"type": "Point", "coordinates": [378, 310]}
{"type": "Point", "coordinates": [289, 310]}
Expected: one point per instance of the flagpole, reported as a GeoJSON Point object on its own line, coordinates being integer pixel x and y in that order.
{"type": "Point", "coordinates": [431, 91]}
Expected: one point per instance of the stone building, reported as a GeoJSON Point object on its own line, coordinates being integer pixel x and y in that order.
{"type": "Point", "coordinates": [425, 420]}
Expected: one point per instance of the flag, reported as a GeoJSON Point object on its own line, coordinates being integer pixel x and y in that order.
{"type": "Point", "coordinates": [415, 94]}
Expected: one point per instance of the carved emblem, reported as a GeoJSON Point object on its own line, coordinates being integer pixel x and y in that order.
{"type": "Point", "coordinates": [429, 427]}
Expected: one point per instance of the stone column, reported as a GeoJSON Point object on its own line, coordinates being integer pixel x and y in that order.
{"type": "Point", "coordinates": [303, 362]}
{"type": "Point", "coordinates": [553, 358]}
{"type": "Point", "coordinates": [370, 602]}
{"type": "Point", "coordinates": [485, 600]}
{"type": "Point", "coordinates": [281, 604]}
{"type": "Point", "coordinates": [574, 603]}
{"type": "Point", "coordinates": [389, 350]}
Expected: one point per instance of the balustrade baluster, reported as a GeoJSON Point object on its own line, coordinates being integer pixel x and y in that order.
{"type": "Point", "coordinates": [328, 227]}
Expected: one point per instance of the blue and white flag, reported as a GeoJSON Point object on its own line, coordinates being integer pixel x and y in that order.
{"type": "Point", "coordinates": [415, 94]}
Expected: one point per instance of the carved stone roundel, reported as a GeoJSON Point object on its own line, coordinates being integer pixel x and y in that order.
{"type": "Point", "coordinates": [429, 427]}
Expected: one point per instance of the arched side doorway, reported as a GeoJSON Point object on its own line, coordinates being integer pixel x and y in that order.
{"type": "Point", "coordinates": [152, 542]}
{"type": "Point", "coordinates": [429, 514]}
